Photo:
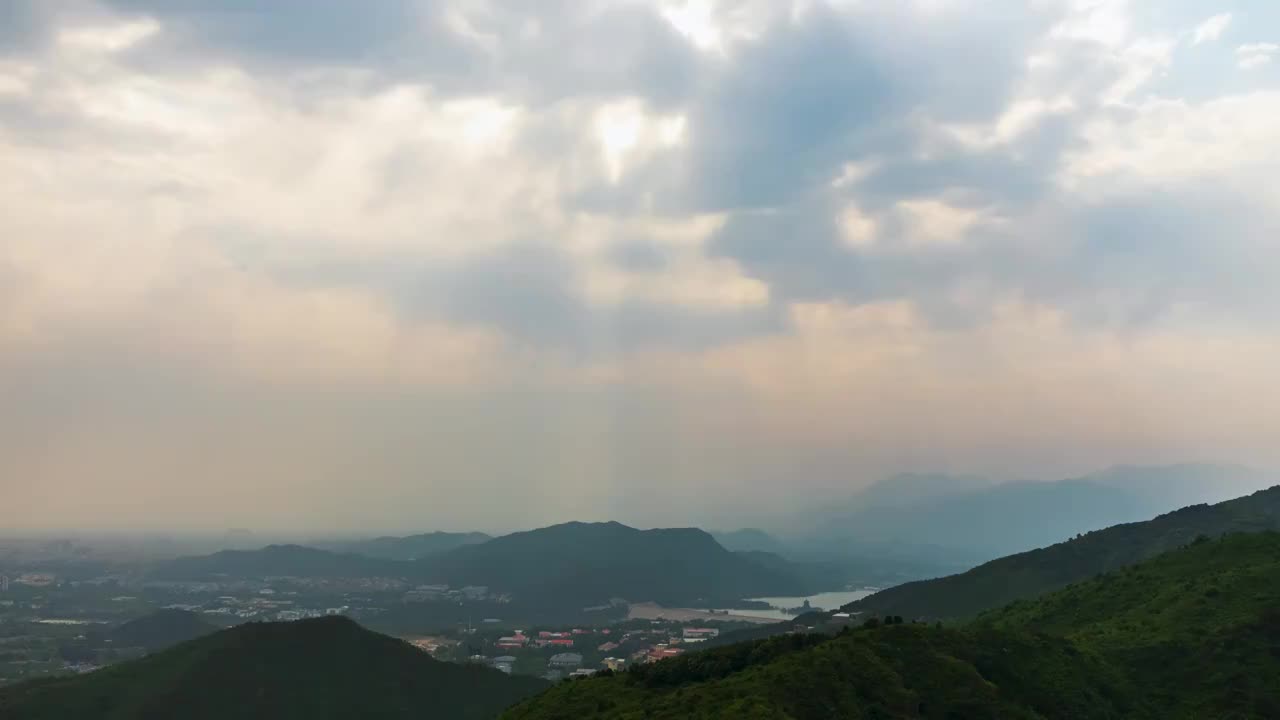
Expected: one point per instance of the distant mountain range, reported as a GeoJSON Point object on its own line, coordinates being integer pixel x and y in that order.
{"type": "Point", "coordinates": [1190, 634]}
{"type": "Point", "coordinates": [311, 669]}
{"type": "Point", "coordinates": [1035, 572]}
{"type": "Point", "coordinates": [907, 527]}
{"type": "Point", "coordinates": [279, 561]}
{"type": "Point", "coordinates": [906, 489]}
{"type": "Point", "coordinates": [976, 516]}
{"type": "Point", "coordinates": [573, 563]}
{"type": "Point", "coordinates": [750, 540]}
{"type": "Point", "coordinates": [410, 547]}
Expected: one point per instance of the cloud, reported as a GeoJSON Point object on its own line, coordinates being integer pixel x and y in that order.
{"type": "Point", "coordinates": [1211, 29]}
{"type": "Point", "coordinates": [403, 260]}
{"type": "Point", "coordinates": [1255, 55]}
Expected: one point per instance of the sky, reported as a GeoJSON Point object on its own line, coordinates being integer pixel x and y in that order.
{"type": "Point", "coordinates": [489, 264]}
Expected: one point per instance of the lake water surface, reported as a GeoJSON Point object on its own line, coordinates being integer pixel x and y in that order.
{"type": "Point", "coordinates": [825, 601]}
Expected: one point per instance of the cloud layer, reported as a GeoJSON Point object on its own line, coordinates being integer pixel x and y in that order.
{"type": "Point", "coordinates": [485, 263]}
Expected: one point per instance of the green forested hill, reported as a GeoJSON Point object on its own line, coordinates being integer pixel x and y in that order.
{"type": "Point", "coordinates": [1191, 634]}
{"type": "Point", "coordinates": [1033, 573]}
{"type": "Point", "coordinates": [312, 669]}
{"type": "Point", "coordinates": [1197, 629]}
{"type": "Point", "coordinates": [900, 671]}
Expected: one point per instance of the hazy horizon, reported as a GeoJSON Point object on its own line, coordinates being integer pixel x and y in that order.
{"type": "Point", "coordinates": [315, 267]}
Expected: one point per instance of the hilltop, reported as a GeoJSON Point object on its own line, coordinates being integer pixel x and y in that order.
{"type": "Point", "coordinates": [1036, 572]}
{"type": "Point", "coordinates": [313, 669]}
{"type": "Point", "coordinates": [278, 561]}
{"type": "Point", "coordinates": [409, 547]}
{"type": "Point", "coordinates": [159, 630]}
{"type": "Point", "coordinates": [593, 562]}
{"type": "Point", "coordinates": [1194, 633]}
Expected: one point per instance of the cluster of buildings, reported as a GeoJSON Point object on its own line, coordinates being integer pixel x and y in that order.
{"type": "Point", "coordinates": [699, 634]}
{"type": "Point", "coordinates": [518, 639]}
{"type": "Point", "coordinates": [436, 593]}
{"type": "Point", "coordinates": [431, 644]}
{"type": "Point", "coordinates": [613, 649]}
{"type": "Point", "coordinates": [262, 606]}
{"type": "Point", "coordinates": [32, 579]}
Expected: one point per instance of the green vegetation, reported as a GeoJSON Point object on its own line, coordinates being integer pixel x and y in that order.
{"type": "Point", "coordinates": [1191, 634]}
{"type": "Point", "coordinates": [1198, 629]}
{"type": "Point", "coordinates": [313, 669]}
{"type": "Point", "coordinates": [1034, 573]}
{"type": "Point", "coordinates": [898, 671]}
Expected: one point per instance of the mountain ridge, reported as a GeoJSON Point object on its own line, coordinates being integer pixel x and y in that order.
{"type": "Point", "coordinates": [1027, 574]}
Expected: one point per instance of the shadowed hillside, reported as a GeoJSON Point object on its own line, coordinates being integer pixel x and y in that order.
{"type": "Point", "coordinates": [312, 669]}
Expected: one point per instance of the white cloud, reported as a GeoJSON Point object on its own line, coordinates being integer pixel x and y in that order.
{"type": "Point", "coordinates": [1227, 138]}
{"type": "Point", "coordinates": [107, 38]}
{"type": "Point", "coordinates": [1255, 55]}
{"type": "Point", "coordinates": [1210, 29]}
{"type": "Point", "coordinates": [935, 222]}
{"type": "Point", "coordinates": [857, 228]}
{"type": "Point", "coordinates": [304, 240]}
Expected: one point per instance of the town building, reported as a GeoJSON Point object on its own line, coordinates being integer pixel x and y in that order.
{"type": "Point", "coordinates": [512, 642]}
{"type": "Point", "coordinates": [565, 661]}
{"type": "Point", "coordinates": [504, 663]}
{"type": "Point", "coordinates": [692, 634]}
{"type": "Point", "coordinates": [662, 652]}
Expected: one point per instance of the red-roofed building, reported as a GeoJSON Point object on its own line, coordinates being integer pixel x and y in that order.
{"type": "Point", "coordinates": [662, 653]}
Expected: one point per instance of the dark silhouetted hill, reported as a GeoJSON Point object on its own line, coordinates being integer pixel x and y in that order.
{"type": "Point", "coordinates": [410, 547]}
{"type": "Point", "coordinates": [593, 562]}
{"type": "Point", "coordinates": [312, 670]}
